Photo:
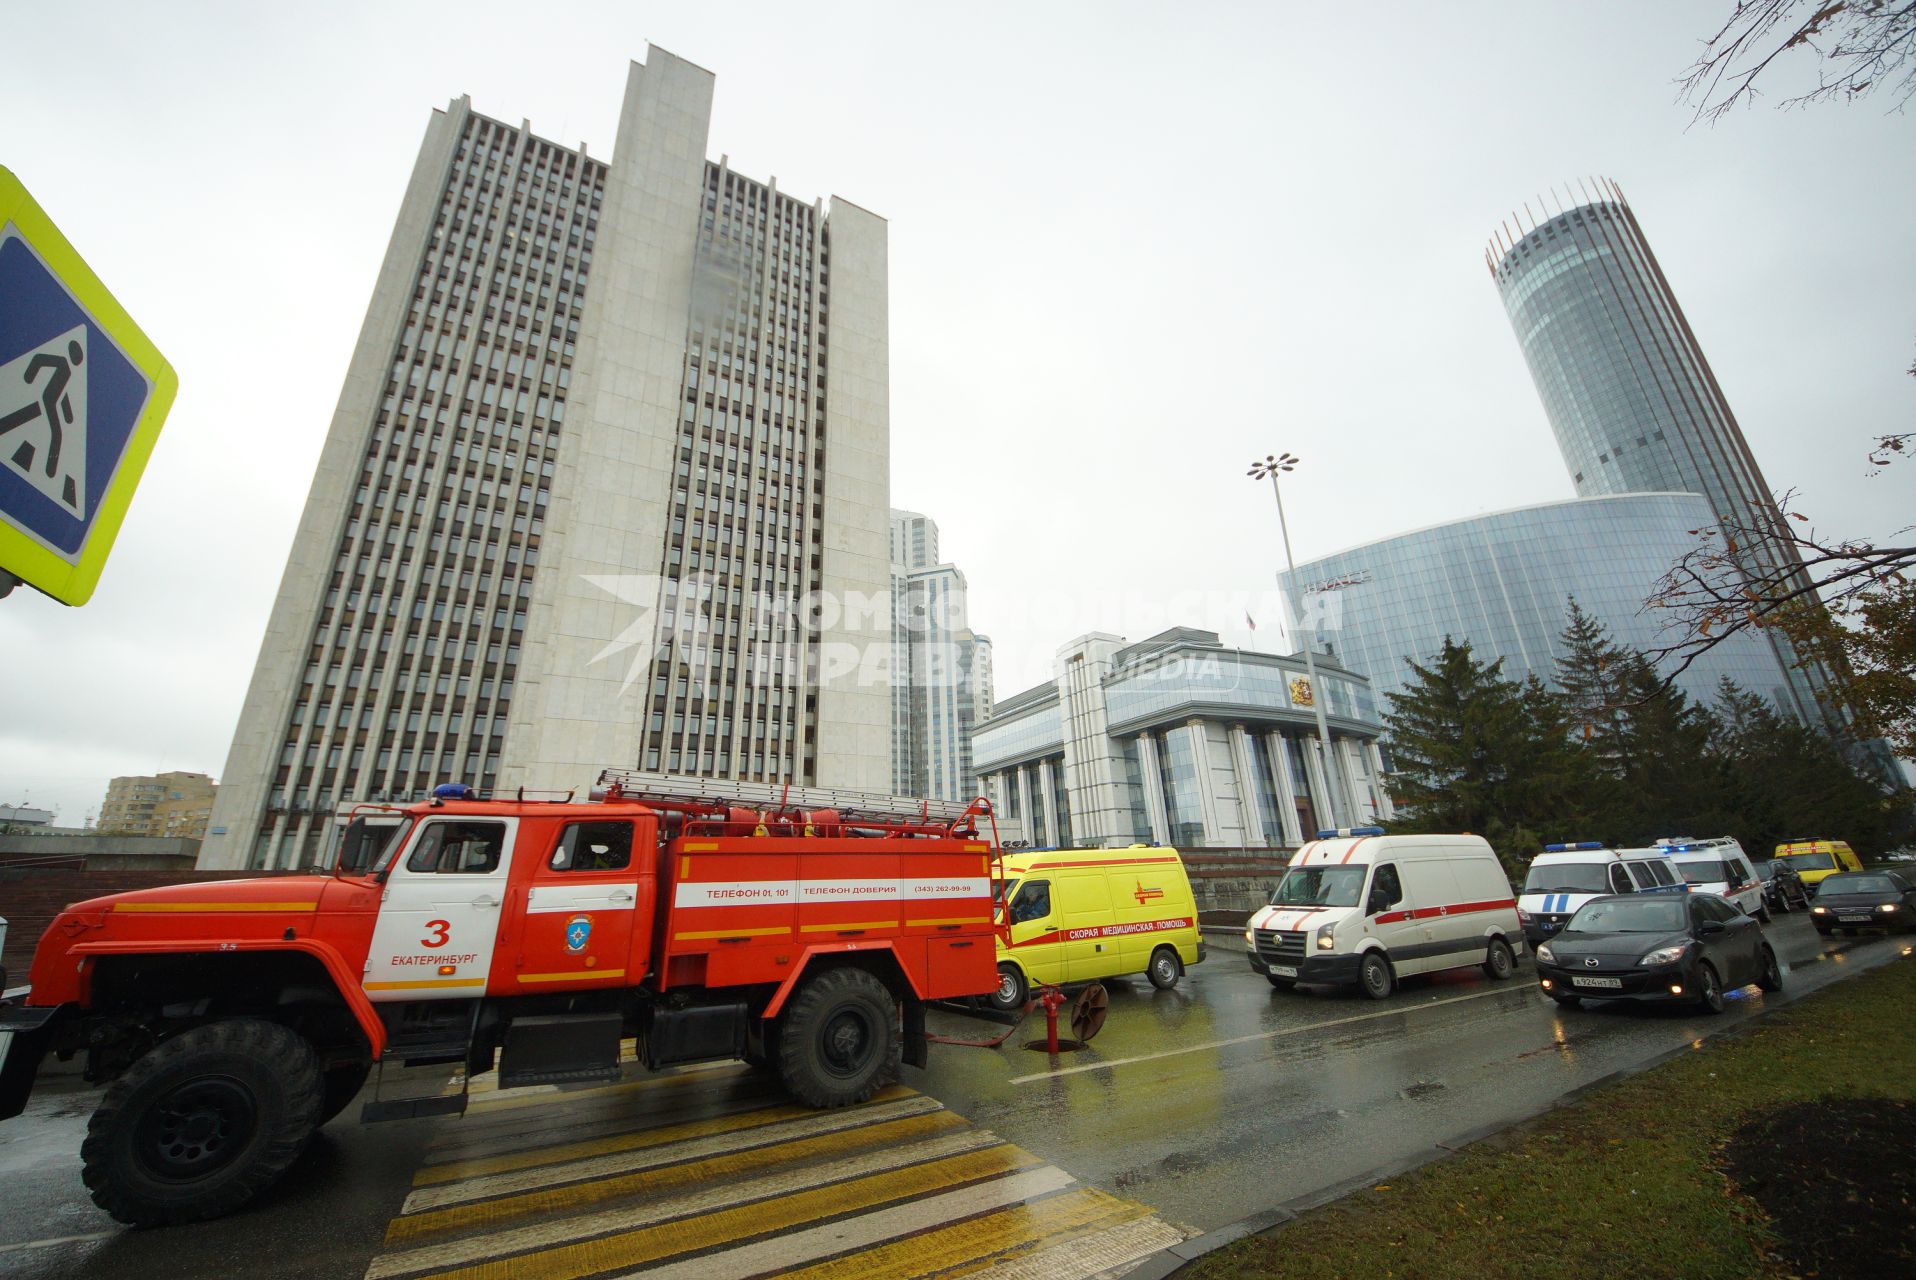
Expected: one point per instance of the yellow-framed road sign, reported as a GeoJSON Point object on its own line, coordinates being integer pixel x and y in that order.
{"type": "Point", "coordinates": [82, 397]}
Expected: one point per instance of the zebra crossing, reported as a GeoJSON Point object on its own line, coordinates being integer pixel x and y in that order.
{"type": "Point", "coordinates": [713, 1173]}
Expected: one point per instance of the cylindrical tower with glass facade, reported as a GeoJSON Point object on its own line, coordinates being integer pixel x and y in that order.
{"type": "Point", "coordinates": [1627, 390]}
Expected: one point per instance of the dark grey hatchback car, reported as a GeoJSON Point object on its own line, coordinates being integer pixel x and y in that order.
{"type": "Point", "coordinates": [1657, 946]}
{"type": "Point", "coordinates": [1858, 900]}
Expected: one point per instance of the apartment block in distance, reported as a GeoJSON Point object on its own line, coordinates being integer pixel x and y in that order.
{"type": "Point", "coordinates": [941, 668]}
{"type": "Point", "coordinates": [164, 804]}
{"type": "Point", "coordinates": [612, 432]}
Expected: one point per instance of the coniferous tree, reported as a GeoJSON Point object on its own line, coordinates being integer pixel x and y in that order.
{"type": "Point", "coordinates": [1474, 751]}
{"type": "Point", "coordinates": [1785, 780]}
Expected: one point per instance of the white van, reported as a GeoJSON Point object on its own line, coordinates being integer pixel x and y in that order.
{"type": "Point", "coordinates": [1721, 867]}
{"type": "Point", "coordinates": [1565, 876]}
{"type": "Point", "coordinates": [1358, 906]}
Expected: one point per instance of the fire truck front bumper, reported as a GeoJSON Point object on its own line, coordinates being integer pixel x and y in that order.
{"type": "Point", "coordinates": [25, 1033]}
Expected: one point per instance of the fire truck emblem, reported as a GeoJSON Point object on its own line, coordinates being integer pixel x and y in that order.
{"type": "Point", "coordinates": [578, 932]}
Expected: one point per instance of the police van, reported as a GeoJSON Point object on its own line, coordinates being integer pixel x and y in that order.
{"type": "Point", "coordinates": [1718, 866]}
{"type": "Point", "coordinates": [1565, 876]}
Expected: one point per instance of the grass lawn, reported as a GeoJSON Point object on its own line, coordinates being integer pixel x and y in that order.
{"type": "Point", "coordinates": [1631, 1182]}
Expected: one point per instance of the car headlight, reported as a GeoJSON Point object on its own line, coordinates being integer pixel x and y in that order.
{"type": "Point", "coordinates": [1887, 906]}
{"type": "Point", "coordinates": [1666, 955]}
{"type": "Point", "coordinates": [1250, 937]}
{"type": "Point", "coordinates": [1819, 911]}
{"type": "Point", "coordinates": [1545, 954]}
{"type": "Point", "coordinates": [1326, 937]}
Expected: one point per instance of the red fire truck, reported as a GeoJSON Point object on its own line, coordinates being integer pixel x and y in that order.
{"type": "Point", "coordinates": [801, 929]}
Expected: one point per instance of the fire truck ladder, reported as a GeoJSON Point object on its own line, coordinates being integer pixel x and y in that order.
{"type": "Point", "coordinates": [719, 794]}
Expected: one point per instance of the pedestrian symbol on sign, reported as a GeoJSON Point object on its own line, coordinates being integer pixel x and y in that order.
{"type": "Point", "coordinates": [43, 418]}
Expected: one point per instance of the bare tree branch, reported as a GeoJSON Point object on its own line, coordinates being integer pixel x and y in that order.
{"type": "Point", "coordinates": [1860, 47]}
{"type": "Point", "coordinates": [1738, 579]}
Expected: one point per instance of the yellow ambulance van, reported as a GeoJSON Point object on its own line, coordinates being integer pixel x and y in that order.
{"type": "Point", "coordinates": [1816, 859]}
{"type": "Point", "coordinates": [1077, 915]}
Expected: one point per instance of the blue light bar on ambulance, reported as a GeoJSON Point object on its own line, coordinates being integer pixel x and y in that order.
{"type": "Point", "coordinates": [1350, 831]}
{"type": "Point", "coordinates": [1573, 848]}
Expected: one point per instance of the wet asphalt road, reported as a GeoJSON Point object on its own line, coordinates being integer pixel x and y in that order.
{"type": "Point", "coordinates": [1223, 1098]}
{"type": "Point", "coordinates": [1210, 1103]}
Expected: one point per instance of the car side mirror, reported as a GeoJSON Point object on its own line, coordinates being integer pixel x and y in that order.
{"type": "Point", "coordinates": [1377, 903]}
{"type": "Point", "coordinates": [1709, 927]}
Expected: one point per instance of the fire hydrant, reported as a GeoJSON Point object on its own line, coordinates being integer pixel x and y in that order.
{"type": "Point", "coordinates": [1052, 999]}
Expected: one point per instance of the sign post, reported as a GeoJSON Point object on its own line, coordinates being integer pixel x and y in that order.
{"type": "Point", "coordinates": [82, 396]}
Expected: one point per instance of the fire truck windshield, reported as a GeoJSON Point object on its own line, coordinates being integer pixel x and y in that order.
{"type": "Point", "coordinates": [368, 843]}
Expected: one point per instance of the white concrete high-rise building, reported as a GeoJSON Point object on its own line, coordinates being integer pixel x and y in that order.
{"type": "Point", "coordinates": [606, 486]}
{"type": "Point", "coordinates": [941, 668]}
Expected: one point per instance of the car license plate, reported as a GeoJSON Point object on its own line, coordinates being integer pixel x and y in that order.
{"type": "Point", "coordinates": [1602, 984]}
{"type": "Point", "coordinates": [1284, 970]}
{"type": "Point", "coordinates": [1548, 925]}
{"type": "Point", "coordinates": [1853, 919]}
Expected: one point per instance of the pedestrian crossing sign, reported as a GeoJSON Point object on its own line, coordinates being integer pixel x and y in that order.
{"type": "Point", "coordinates": [82, 396]}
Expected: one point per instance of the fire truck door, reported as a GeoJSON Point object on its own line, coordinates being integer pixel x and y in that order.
{"type": "Point", "coordinates": [581, 905]}
{"type": "Point", "coordinates": [439, 915]}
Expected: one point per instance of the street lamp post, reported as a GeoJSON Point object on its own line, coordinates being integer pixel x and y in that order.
{"type": "Point", "coordinates": [1270, 466]}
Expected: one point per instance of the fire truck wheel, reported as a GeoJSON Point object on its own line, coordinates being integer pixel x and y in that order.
{"type": "Point", "coordinates": [1012, 990]}
{"type": "Point", "coordinates": [339, 1087]}
{"type": "Point", "coordinates": [1165, 969]}
{"type": "Point", "coordinates": [839, 1043]}
{"type": "Point", "coordinates": [202, 1123]}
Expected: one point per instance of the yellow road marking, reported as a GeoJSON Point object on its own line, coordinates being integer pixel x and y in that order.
{"type": "Point", "coordinates": [636, 1248]}
{"type": "Point", "coordinates": [453, 1172]}
{"type": "Point", "coordinates": [983, 1242]}
{"type": "Point", "coordinates": [544, 1095]}
{"type": "Point", "coordinates": [216, 906]}
{"type": "Point", "coordinates": [654, 1182]}
{"type": "Point", "coordinates": [578, 975]}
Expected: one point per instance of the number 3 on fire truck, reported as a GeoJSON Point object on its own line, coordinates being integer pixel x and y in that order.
{"type": "Point", "coordinates": [441, 928]}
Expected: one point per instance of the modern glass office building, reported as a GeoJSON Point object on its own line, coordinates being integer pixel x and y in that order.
{"type": "Point", "coordinates": [1179, 740]}
{"type": "Point", "coordinates": [1504, 583]}
{"type": "Point", "coordinates": [1626, 388]}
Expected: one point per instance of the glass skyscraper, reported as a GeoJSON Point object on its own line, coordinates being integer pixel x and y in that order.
{"type": "Point", "coordinates": [1632, 400]}
{"type": "Point", "coordinates": [1504, 583]}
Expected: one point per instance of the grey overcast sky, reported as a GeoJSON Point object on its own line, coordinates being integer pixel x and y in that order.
{"type": "Point", "coordinates": [1133, 246]}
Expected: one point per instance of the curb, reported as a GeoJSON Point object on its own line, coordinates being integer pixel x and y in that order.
{"type": "Point", "coordinates": [1168, 1262]}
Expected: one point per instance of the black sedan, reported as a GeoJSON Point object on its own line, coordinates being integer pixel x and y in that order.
{"type": "Point", "coordinates": [1656, 946]}
{"type": "Point", "coordinates": [1863, 900]}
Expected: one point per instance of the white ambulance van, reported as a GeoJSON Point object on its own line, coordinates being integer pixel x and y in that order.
{"type": "Point", "coordinates": [1718, 866]}
{"type": "Point", "coordinates": [1565, 876]}
{"type": "Point", "coordinates": [1361, 907]}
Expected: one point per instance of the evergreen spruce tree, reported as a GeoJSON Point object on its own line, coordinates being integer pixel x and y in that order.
{"type": "Point", "coordinates": [1477, 752]}
{"type": "Point", "coordinates": [1784, 780]}
{"type": "Point", "coordinates": [1648, 746]}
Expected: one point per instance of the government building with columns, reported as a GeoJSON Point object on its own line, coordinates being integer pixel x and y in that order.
{"type": "Point", "coordinates": [1180, 740]}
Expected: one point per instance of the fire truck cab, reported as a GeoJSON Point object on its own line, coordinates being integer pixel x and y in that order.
{"type": "Point", "coordinates": [803, 930]}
